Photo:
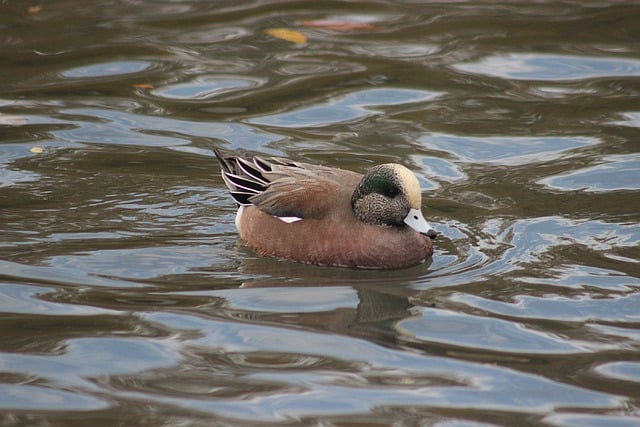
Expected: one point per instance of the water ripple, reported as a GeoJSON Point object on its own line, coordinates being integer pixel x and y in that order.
{"type": "Point", "coordinates": [511, 151]}
{"type": "Point", "coordinates": [478, 332]}
{"type": "Point", "coordinates": [27, 397]}
{"type": "Point", "coordinates": [106, 126]}
{"type": "Point", "coordinates": [469, 384]}
{"type": "Point", "coordinates": [204, 88]}
{"type": "Point", "coordinates": [285, 300]}
{"type": "Point", "coordinates": [615, 173]}
{"type": "Point", "coordinates": [438, 170]}
{"type": "Point", "coordinates": [518, 66]}
{"type": "Point", "coordinates": [30, 300]}
{"type": "Point", "coordinates": [622, 309]}
{"type": "Point", "coordinates": [582, 420]}
{"type": "Point", "coordinates": [533, 239]}
{"type": "Point", "coordinates": [107, 69]}
{"type": "Point", "coordinates": [353, 106]}
{"type": "Point", "coordinates": [624, 371]}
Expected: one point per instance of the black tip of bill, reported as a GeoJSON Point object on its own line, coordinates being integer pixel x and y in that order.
{"type": "Point", "coordinates": [432, 234]}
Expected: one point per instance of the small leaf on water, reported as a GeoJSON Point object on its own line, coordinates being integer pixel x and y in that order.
{"type": "Point", "coordinates": [143, 85]}
{"type": "Point", "coordinates": [288, 35]}
{"type": "Point", "coordinates": [32, 10]}
{"type": "Point", "coordinates": [36, 150]}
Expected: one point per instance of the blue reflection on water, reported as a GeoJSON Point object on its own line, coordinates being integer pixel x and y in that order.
{"type": "Point", "coordinates": [617, 173]}
{"type": "Point", "coordinates": [626, 371]}
{"type": "Point", "coordinates": [107, 69]}
{"type": "Point", "coordinates": [590, 420]}
{"type": "Point", "coordinates": [203, 88]}
{"type": "Point", "coordinates": [439, 170]}
{"type": "Point", "coordinates": [551, 67]}
{"type": "Point", "coordinates": [629, 119]}
{"type": "Point", "coordinates": [28, 397]}
{"type": "Point", "coordinates": [618, 309]}
{"type": "Point", "coordinates": [27, 299]}
{"type": "Point", "coordinates": [107, 126]}
{"type": "Point", "coordinates": [350, 107]}
{"type": "Point", "coordinates": [504, 150]}
{"type": "Point", "coordinates": [465, 384]}
{"type": "Point", "coordinates": [288, 299]}
{"type": "Point", "coordinates": [461, 329]}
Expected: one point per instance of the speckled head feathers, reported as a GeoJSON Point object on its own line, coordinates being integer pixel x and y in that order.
{"type": "Point", "coordinates": [386, 194]}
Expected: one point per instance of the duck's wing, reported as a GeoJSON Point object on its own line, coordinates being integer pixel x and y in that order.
{"type": "Point", "coordinates": [296, 192]}
{"type": "Point", "coordinates": [283, 188]}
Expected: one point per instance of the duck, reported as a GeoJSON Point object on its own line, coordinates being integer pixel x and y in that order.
{"type": "Point", "coordinates": [328, 216]}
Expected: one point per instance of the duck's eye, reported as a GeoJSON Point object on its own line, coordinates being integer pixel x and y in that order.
{"type": "Point", "coordinates": [392, 192]}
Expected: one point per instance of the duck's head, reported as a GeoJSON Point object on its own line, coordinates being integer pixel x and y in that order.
{"type": "Point", "coordinates": [389, 194]}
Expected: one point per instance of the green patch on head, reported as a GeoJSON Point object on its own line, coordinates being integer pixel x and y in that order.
{"type": "Point", "coordinates": [389, 180]}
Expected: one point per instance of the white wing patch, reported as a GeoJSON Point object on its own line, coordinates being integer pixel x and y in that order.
{"type": "Point", "coordinates": [289, 219]}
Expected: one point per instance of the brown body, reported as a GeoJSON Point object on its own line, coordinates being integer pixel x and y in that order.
{"type": "Point", "coordinates": [345, 244]}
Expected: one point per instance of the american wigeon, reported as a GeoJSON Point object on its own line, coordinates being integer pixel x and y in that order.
{"type": "Point", "coordinates": [329, 216]}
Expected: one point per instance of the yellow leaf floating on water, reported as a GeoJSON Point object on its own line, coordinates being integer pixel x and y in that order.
{"type": "Point", "coordinates": [288, 35]}
{"type": "Point", "coordinates": [143, 85]}
{"type": "Point", "coordinates": [37, 150]}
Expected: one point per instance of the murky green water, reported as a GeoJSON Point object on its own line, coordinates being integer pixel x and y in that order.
{"type": "Point", "coordinates": [126, 298]}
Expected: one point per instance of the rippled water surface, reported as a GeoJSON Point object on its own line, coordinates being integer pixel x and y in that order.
{"type": "Point", "coordinates": [127, 299]}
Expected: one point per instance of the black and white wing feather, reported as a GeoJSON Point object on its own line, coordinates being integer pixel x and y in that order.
{"type": "Point", "coordinates": [246, 178]}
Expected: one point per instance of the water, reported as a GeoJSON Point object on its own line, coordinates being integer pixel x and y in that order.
{"type": "Point", "coordinates": [126, 298]}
